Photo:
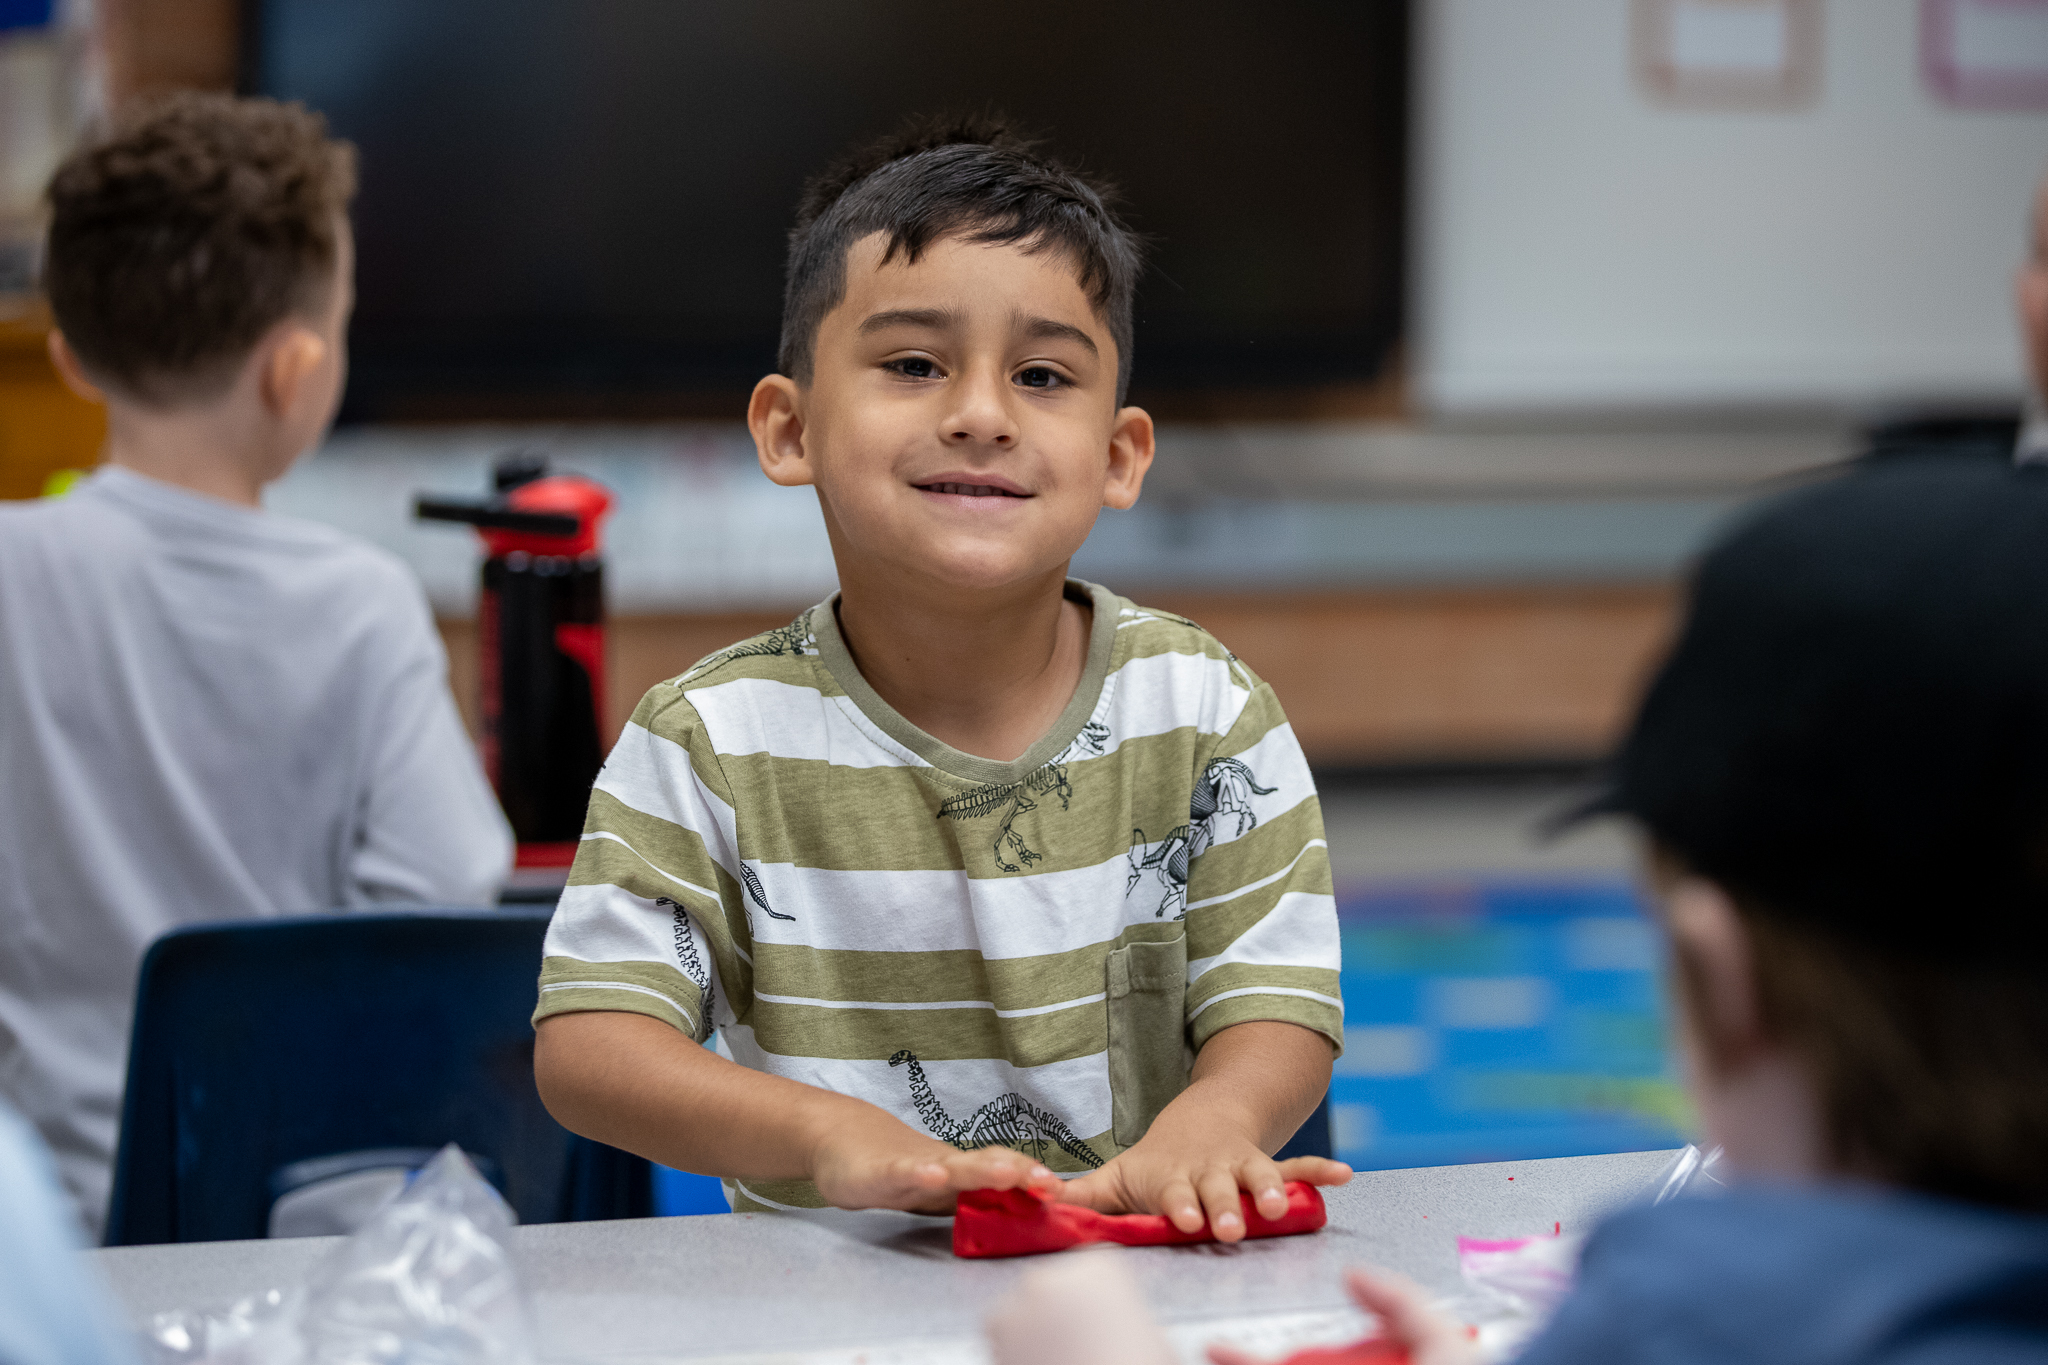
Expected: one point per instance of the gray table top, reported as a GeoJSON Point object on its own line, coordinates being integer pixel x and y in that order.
{"type": "Point", "coordinates": [736, 1284]}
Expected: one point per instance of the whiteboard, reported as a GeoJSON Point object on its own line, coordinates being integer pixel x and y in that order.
{"type": "Point", "coordinates": [1580, 246]}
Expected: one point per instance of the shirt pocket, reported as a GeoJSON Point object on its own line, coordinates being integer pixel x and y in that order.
{"type": "Point", "coordinates": [1147, 996]}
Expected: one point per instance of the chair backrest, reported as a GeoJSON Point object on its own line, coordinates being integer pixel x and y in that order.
{"type": "Point", "coordinates": [261, 1043]}
{"type": "Point", "coordinates": [1313, 1138]}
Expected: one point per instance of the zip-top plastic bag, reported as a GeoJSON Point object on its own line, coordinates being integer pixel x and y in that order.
{"type": "Point", "coordinates": [1691, 1175]}
{"type": "Point", "coordinates": [427, 1281]}
{"type": "Point", "coordinates": [1514, 1284]}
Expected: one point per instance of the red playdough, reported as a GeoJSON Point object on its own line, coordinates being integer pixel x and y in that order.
{"type": "Point", "coordinates": [1025, 1222]}
{"type": "Point", "coordinates": [1372, 1351]}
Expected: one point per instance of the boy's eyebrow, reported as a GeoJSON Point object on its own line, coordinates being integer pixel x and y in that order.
{"type": "Point", "coordinates": [1051, 329]}
{"type": "Point", "coordinates": [910, 317]}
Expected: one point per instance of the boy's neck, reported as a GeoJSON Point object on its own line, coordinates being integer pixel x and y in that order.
{"type": "Point", "coordinates": [986, 672]}
{"type": "Point", "coordinates": [203, 449]}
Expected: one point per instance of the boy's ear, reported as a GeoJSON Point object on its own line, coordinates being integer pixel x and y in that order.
{"type": "Point", "coordinates": [775, 416]}
{"type": "Point", "coordinates": [70, 371]}
{"type": "Point", "coordinates": [1130, 455]}
{"type": "Point", "coordinates": [1716, 969]}
{"type": "Point", "coordinates": [290, 364]}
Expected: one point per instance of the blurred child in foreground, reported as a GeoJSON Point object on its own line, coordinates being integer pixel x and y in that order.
{"type": "Point", "coordinates": [54, 1309]}
{"type": "Point", "coordinates": [207, 712]}
{"type": "Point", "coordinates": [1842, 777]}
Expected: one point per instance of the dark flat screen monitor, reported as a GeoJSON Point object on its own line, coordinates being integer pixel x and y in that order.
{"type": "Point", "coordinates": [579, 207]}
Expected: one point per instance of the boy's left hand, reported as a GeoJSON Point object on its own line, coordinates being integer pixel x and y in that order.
{"type": "Point", "coordinates": [1190, 1166]}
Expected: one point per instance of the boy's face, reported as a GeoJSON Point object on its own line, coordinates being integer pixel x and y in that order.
{"type": "Point", "coordinates": [960, 423]}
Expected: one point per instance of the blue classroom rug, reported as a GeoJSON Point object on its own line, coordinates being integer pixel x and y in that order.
{"type": "Point", "coordinates": [1494, 1020]}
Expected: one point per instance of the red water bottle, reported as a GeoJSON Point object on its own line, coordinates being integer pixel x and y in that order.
{"type": "Point", "coordinates": [542, 645]}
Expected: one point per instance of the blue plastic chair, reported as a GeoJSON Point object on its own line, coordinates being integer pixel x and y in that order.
{"type": "Point", "coordinates": [262, 1045]}
{"type": "Point", "coordinates": [1313, 1138]}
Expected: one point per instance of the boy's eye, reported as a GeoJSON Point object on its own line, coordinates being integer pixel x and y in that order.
{"type": "Point", "coordinates": [913, 367]}
{"type": "Point", "coordinates": [1039, 377]}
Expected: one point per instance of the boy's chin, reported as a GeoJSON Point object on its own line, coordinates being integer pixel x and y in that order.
{"type": "Point", "coordinates": [987, 573]}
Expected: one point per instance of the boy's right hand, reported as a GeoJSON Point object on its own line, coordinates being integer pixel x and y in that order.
{"type": "Point", "coordinates": [883, 1164]}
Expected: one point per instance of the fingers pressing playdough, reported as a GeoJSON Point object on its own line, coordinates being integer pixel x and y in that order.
{"type": "Point", "coordinates": [1315, 1170]}
{"type": "Point", "coordinates": [1190, 1199]}
{"type": "Point", "coordinates": [924, 1179]}
{"type": "Point", "coordinates": [995, 1168]}
{"type": "Point", "coordinates": [1194, 1195]}
{"type": "Point", "coordinates": [1222, 1205]}
{"type": "Point", "coordinates": [1267, 1187]}
{"type": "Point", "coordinates": [1106, 1192]}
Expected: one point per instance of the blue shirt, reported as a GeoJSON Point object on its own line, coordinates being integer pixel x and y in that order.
{"type": "Point", "coordinates": [1819, 1276]}
{"type": "Point", "coordinates": [53, 1311]}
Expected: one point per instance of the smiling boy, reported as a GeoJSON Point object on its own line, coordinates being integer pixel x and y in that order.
{"type": "Point", "coordinates": [980, 874]}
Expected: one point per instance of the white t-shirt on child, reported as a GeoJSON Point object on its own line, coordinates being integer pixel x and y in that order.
{"type": "Point", "coordinates": [207, 712]}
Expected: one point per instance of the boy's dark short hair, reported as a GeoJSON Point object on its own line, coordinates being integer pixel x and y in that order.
{"type": "Point", "coordinates": [975, 177]}
{"type": "Point", "coordinates": [1851, 738]}
{"type": "Point", "coordinates": [189, 231]}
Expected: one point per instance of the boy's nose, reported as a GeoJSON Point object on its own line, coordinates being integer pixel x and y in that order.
{"type": "Point", "coordinates": [982, 417]}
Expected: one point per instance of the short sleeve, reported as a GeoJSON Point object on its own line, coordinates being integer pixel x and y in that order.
{"type": "Point", "coordinates": [652, 920]}
{"type": "Point", "coordinates": [1261, 916]}
{"type": "Point", "coordinates": [429, 829]}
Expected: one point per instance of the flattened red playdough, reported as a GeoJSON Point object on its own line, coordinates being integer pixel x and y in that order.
{"type": "Point", "coordinates": [1372, 1351]}
{"type": "Point", "coordinates": [1025, 1222]}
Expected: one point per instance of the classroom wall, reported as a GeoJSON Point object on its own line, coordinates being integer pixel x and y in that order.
{"type": "Point", "coordinates": [1369, 678]}
{"type": "Point", "coordinates": [1582, 245]}
{"type": "Point", "coordinates": [1437, 632]}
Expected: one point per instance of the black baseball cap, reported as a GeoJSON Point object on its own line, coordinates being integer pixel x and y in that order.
{"type": "Point", "coordinates": [1852, 729]}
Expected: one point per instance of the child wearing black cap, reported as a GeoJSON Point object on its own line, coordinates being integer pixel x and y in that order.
{"type": "Point", "coordinates": [1842, 776]}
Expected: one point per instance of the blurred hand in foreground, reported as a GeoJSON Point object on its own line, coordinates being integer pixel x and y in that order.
{"type": "Point", "coordinates": [1079, 1308]}
{"type": "Point", "coordinates": [1407, 1320]}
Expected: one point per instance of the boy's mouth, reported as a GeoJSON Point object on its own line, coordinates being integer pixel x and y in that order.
{"type": "Point", "coordinates": [954, 486]}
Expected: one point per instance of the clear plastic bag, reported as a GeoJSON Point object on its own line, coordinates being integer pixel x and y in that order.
{"type": "Point", "coordinates": [1691, 1174]}
{"type": "Point", "coordinates": [258, 1330]}
{"type": "Point", "coordinates": [1514, 1285]}
{"type": "Point", "coordinates": [428, 1281]}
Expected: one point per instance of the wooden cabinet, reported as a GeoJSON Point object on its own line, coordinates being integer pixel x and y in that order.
{"type": "Point", "coordinates": [1370, 678]}
{"type": "Point", "coordinates": [44, 427]}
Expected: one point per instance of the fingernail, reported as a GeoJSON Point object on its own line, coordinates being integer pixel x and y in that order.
{"type": "Point", "coordinates": [1038, 1171]}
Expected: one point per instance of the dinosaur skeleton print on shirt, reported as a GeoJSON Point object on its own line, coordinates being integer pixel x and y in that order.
{"type": "Point", "coordinates": [1014, 798]}
{"type": "Point", "coordinates": [1005, 1121]}
{"type": "Point", "coordinates": [791, 641]}
{"type": "Point", "coordinates": [686, 953]}
{"type": "Point", "coordinates": [1224, 793]}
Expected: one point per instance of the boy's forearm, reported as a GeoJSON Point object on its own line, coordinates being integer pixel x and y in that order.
{"type": "Point", "coordinates": [1263, 1077]}
{"type": "Point", "coordinates": [635, 1083]}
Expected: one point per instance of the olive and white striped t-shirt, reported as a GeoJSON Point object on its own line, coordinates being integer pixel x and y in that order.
{"type": "Point", "coordinates": [1023, 953]}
